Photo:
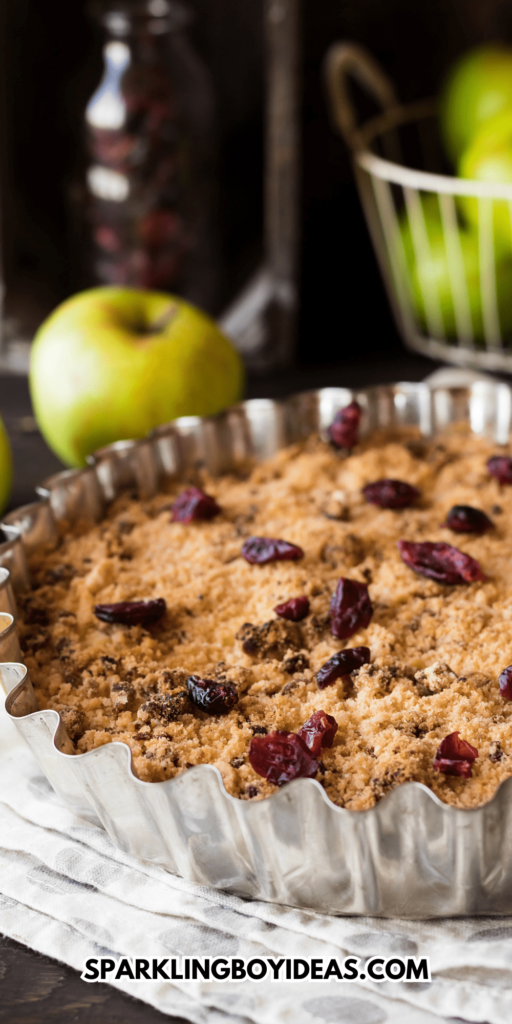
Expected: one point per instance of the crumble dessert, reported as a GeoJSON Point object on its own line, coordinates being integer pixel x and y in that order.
{"type": "Point", "coordinates": [158, 627]}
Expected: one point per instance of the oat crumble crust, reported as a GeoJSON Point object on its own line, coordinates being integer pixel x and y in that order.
{"type": "Point", "coordinates": [436, 651]}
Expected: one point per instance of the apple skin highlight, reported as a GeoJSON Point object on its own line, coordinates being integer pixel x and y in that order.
{"type": "Point", "coordinates": [5, 466]}
{"type": "Point", "coordinates": [478, 87]}
{"type": "Point", "coordinates": [112, 363]}
{"type": "Point", "coordinates": [489, 158]}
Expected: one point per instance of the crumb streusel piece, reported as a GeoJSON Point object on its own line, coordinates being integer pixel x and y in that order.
{"type": "Point", "coordinates": [436, 650]}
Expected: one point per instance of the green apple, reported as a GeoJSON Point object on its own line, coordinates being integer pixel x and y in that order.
{"type": "Point", "coordinates": [478, 87]}
{"type": "Point", "coordinates": [489, 158]}
{"type": "Point", "coordinates": [431, 273]}
{"type": "Point", "coordinates": [5, 467]}
{"type": "Point", "coordinates": [112, 363]}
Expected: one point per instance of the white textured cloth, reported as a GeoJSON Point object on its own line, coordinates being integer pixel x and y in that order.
{"type": "Point", "coordinates": [66, 891]}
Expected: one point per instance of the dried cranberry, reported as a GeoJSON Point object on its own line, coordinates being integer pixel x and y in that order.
{"type": "Point", "coordinates": [319, 731]}
{"type": "Point", "coordinates": [281, 757]}
{"type": "Point", "coordinates": [344, 430]}
{"type": "Point", "coordinates": [391, 493]}
{"type": "Point", "coordinates": [342, 664]}
{"type": "Point", "coordinates": [465, 519]}
{"type": "Point", "coordinates": [455, 756]}
{"type": "Point", "coordinates": [260, 550]}
{"type": "Point", "coordinates": [295, 609]}
{"type": "Point", "coordinates": [193, 503]}
{"type": "Point", "coordinates": [500, 466]}
{"type": "Point", "coordinates": [440, 562]}
{"type": "Point", "coordinates": [351, 608]}
{"type": "Point", "coordinates": [505, 682]}
{"type": "Point", "coordinates": [131, 613]}
{"type": "Point", "coordinates": [214, 698]}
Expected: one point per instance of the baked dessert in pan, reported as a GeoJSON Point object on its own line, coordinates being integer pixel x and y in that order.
{"type": "Point", "coordinates": [312, 631]}
{"type": "Point", "coordinates": [197, 625]}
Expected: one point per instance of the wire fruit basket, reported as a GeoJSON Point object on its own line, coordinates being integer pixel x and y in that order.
{"type": "Point", "coordinates": [450, 288]}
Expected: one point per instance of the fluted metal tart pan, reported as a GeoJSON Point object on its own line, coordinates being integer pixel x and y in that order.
{"type": "Point", "coordinates": [411, 855]}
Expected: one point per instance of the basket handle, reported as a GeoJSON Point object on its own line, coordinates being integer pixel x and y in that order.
{"type": "Point", "coordinates": [342, 60]}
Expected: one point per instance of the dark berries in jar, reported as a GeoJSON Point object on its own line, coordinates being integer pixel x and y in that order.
{"type": "Point", "coordinates": [465, 519]}
{"type": "Point", "coordinates": [296, 609]}
{"type": "Point", "coordinates": [344, 430]}
{"type": "Point", "coordinates": [500, 466]}
{"type": "Point", "coordinates": [440, 562]}
{"type": "Point", "coordinates": [391, 493]}
{"type": "Point", "coordinates": [319, 731]}
{"type": "Point", "coordinates": [211, 697]}
{"type": "Point", "coordinates": [342, 664]}
{"type": "Point", "coordinates": [455, 756]}
{"type": "Point", "coordinates": [193, 503]}
{"type": "Point", "coordinates": [351, 608]}
{"type": "Point", "coordinates": [280, 757]}
{"type": "Point", "coordinates": [260, 550]}
{"type": "Point", "coordinates": [131, 613]}
{"type": "Point", "coordinates": [505, 682]}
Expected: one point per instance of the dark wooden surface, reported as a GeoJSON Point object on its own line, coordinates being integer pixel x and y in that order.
{"type": "Point", "coordinates": [34, 988]}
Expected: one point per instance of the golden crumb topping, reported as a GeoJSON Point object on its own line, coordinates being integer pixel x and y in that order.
{"type": "Point", "coordinates": [436, 649]}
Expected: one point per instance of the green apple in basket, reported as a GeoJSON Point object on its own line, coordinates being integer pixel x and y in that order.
{"type": "Point", "coordinates": [478, 88]}
{"type": "Point", "coordinates": [112, 363]}
{"type": "Point", "coordinates": [5, 466]}
{"type": "Point", "coordinates": [430, 273]}
{"type": "Point", "coordinates": [489, 158]}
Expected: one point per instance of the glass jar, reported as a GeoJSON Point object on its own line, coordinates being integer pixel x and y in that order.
{"type": "Point", "coordinates": [150, 177]}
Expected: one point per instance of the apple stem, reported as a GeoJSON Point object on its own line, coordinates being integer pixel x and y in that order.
{"type": "Point", "coordinates": [163, 320]}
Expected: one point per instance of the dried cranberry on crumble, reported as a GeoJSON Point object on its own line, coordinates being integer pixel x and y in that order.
{"type": "Point", "coordinates": [260, 550]}
{"type": "Point", "coordinates": [351, 608]}
{"type": "Point", "coordinates": [342, 664]}
{"type": "Point", "coordinates": [391, 493]}
{"type": "Point", "coordinates": [500, 466]}
{"type": "Point", "coordinates": [455, 756]}
{"type": "Point", "coordinates": [193, 503]}
{"type": "Point", "coordinates": [505, 682]}
{"type": "Point", "coordinates": [465, 519]}
{"type": "Point", "coordinates": [296, 609]}
{"type": "Point", "coordinates": [211, 697]}
{"type": "Point", "coordinates": [319, 731]}
{"type": "Point", "coordinates": [131, 613]}
{"type": "Point", "coordinates": [344, 430]}
{"type": "Point", "coordinates": [280, 757]}
{"type": "Point", "coordinates": [440, 562]}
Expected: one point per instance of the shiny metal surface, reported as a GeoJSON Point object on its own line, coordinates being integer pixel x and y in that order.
{"type": "Point", "coordinates": [409, 856]}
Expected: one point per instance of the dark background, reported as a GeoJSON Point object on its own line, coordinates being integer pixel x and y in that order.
{"type": "Point", "coordinates": [51, 62]}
